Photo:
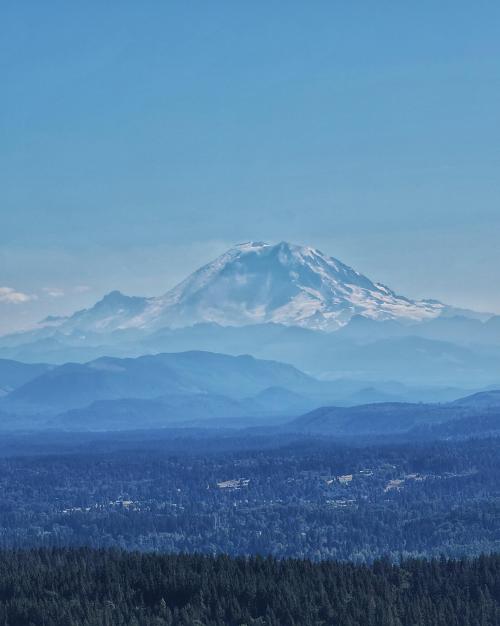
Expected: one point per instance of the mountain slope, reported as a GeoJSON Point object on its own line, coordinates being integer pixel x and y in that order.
{"type": "Point", "coordinates": [475, 413]}
{"type": "Point", "coordinates": [380, 418]}
{"type": "Point", "coordinates": [130, 413]}
{"type": "Point", "coordinates": [13, 374]}
{"type": "Point", "coordinates": [482, 400]}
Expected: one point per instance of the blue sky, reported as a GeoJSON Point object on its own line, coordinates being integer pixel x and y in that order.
{"type": "Point", "coordinates": [140, 139]}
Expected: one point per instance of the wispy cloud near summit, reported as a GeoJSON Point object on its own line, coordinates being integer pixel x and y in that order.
{"type": "Point", "coordinates": [53, 292]}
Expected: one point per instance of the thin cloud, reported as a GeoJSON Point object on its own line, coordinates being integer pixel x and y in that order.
{"type": "Point", "coordinates": [81, 289]}
{"type": "Point", "coordinates": [53, 292]}
{"type": "Point", "coordinates": [11, 296]}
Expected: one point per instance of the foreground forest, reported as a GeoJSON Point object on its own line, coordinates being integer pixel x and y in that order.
{"type": "Point", "coordinates": [94, 588]}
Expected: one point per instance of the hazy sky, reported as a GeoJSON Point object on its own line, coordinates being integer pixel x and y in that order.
{"type": "Point", "coordinates": [140, 139]}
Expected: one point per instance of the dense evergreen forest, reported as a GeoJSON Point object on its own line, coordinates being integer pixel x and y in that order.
{"type": "Point", "coordinates": [95, 588]}
{"type": "Point", "coordinates": [155, 532]}
{"type": "Point", "coordinates": [311, 499]}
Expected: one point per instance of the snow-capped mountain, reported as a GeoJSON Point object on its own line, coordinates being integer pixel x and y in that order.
{"type": "Point", "coordinates": [256, 283]}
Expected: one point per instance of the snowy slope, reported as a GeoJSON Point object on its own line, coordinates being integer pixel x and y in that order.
{"type": "Point", "coordinates": [256, 283]}
{"type": "Point", "coordinates": [283, 283]}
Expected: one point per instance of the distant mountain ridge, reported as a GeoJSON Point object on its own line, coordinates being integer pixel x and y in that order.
{"type": "Point", "coordinates": [155, 390]}
{"type": "Point", "coordinates": [75, 385]}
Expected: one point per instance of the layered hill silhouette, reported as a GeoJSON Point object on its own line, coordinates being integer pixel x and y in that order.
{"type": "Point", "coordinates": [162, 390]}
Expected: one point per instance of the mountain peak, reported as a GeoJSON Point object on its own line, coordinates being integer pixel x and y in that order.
{"type": "Point", "coordinates": [259, 282]}
{"type": "Point", "coordinates": [256, 282]}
